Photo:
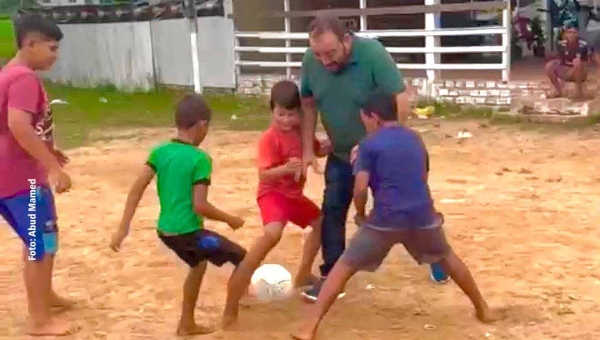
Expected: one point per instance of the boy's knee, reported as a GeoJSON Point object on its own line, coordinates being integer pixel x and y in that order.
{"type": "Point", "coordinates": [550, 67]}
{"type": "Point", "coordinates": [272, 234]}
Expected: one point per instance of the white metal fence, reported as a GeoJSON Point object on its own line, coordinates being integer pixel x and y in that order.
{"type": "Point", "coordinates": [432, 32]}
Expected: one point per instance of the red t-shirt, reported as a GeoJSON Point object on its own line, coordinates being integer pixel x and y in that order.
{"type": "Point", "coordinates": [275, 148]}
{"type": "Point", "coordinates": [22, 89]}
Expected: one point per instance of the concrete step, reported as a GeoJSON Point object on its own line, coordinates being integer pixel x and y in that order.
{"type": "Point", "coordinates": [534, 105]}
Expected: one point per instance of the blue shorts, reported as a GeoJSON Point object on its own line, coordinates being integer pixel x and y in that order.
{"type": "Point", "coordinates": [32, 215]}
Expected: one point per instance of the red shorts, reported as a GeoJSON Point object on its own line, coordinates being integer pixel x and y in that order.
{"type": "Point", "coordinates": [276, 207]}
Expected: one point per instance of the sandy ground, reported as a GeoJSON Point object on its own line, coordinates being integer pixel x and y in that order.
{"type": "Point", "coordinates": [521, 209]}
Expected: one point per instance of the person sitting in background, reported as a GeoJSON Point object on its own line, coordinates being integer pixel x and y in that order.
{"type": "Point", "coordinates": [571, 63]}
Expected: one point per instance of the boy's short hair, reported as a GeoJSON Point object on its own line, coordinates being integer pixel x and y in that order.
{"type": "Point", "coordinates": [34, 23]}
{"type": "Point", "coordinates": [383, 105]}
{"type": "Point", "coordinates": [190, 110]}
{"type": "Point", "coordinates": [285, 94]}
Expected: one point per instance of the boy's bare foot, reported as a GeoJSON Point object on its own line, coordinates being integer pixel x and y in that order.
{"type": "Point", "coordinates": [229, 319]}
{"type": "Point", "coordinates": [305, 280]}
{"type": "Point", "coordinates": [305, 332]}
{"type": "Point", "coordinates": [194, 329]}
{"type": "Point", "coordinates": [490, 315]}
{"type": "Point", "coordinates": [52, 327]}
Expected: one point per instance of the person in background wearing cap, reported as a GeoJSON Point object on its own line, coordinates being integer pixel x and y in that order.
{"type": "Point", "coordinates": [573, 54]}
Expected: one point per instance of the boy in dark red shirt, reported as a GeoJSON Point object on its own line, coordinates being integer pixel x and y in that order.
{"type": "Point", "coordinates": [571, 64]}
{"type": "Point", "coordinates": [280, 196]}
{"type": "Point", "coordinates": [30, 166]}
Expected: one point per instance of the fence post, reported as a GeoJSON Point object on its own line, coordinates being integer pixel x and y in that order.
{"type": "Point", "coordinates": [506, 42]}
{"type": "Point", "coordinates": [548, 29]}
{"type": "Point", "coordinates": [287, 28]}
{"type": "Point", "coordinates": [155, 70]}
{"type": "Point", "coordinates": [431, 42]}
{"type": "Point", "coordinates": [238, 68]}
{"type": "Point", "coordinates": [193, 25]}
{"type": "Point", "coordinates": [363, 17]}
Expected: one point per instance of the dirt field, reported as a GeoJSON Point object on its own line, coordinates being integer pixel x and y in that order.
{"type": "Point", "coordinates": [521, 209]}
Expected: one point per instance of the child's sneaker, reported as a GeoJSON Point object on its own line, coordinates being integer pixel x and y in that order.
{"type": "Point", "coordinates": [311, 294]}
{"type": "Point", "coordinates": [438, 275]}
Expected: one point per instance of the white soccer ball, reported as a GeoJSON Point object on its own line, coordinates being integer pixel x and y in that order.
{"type": "Point", "coordinates": [270, 282]}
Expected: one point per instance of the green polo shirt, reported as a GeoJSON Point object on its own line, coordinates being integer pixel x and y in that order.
{"type": "Point", "coordinates": [339, 96]}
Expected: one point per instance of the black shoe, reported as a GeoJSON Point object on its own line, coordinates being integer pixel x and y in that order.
{"type": "Point", "coordinates": [311, 294]}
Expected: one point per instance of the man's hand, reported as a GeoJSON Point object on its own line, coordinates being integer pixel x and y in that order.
{"type": "Point", "coordinates": [354, 154]}
{"type": "Point", "coordinates": [62, 158]}
{"type": "Point", "coordinates": [235, 222]}
{"type": "Point", "coordinates": [325, 147]}
{"type": "Point", "coordinates": [60, 180]}
{"type": "Point", "coordinates": [359, 220]}
{"type": "Point", "coordinates": [117, 239]}
{"type": "Point", "coordinates": [309, 159]}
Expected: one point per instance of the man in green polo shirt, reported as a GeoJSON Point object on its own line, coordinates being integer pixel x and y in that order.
{"type": "Point", "coordinates": [339, 72]}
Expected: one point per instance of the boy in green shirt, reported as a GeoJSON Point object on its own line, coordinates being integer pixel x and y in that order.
{"type": "Point", "coordinates": [183, 176]}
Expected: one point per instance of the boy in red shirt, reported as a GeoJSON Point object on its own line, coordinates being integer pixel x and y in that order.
{"type": "Point", "coordinates": [30, 166]}
{"type": "Point", "coordinates": [280, 196]}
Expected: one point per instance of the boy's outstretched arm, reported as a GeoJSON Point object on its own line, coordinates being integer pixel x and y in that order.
{"type": "Point", "coordinates": [360, 196]}
{"type": "Point", "coordinates": [203, 207]}
{"type": "Point", "coordinates": [133, 199]}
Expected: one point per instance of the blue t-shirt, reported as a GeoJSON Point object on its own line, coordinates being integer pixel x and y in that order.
{"type": "Point", "coordinates": [397, 162]}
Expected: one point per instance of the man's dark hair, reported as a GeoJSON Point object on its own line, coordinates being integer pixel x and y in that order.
{"type": "Point", "coordinates": [26, 24]}
{"type": "Point", "coordinates": [191, 109]}
{"type": "Point", "coordinates": [285, 94]}
{"type": "Point", "coordinates": [383, 105]}
{"type": "Point", "coordinates": [325, 22]}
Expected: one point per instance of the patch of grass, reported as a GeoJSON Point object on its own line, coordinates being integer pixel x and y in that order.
{"type": "Point", "coordinates": [106, 108]}
{"type": "Point", "coordinates": [451, 110]}
{"type": "Point", "coordinates": [7, 39]}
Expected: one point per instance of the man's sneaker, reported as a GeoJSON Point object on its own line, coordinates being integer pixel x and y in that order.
{"type": "Point", "coordinates": [311, 294]}
{"type": "Point", "coordinates": [438, 275]}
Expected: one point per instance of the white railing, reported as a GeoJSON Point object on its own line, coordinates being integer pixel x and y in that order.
{"type": "Point", "coordinates": [432, 49]}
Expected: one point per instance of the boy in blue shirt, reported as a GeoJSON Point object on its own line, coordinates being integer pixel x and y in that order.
{"type": "Point", "coordinates": [393, 162]}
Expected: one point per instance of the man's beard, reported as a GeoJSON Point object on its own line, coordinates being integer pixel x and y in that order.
{"type": "Point", "coordinates": [339, 66]}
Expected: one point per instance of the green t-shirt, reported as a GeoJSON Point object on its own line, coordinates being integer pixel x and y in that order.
{"type": "Point", "coordinates": [179, 166]}
{"type": "Point", "coordinates": [339, 96]}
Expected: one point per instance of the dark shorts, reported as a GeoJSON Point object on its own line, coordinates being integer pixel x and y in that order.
{"type": "Point", "coordinates": [204, 245]}
{"type": "Point", "coordinates": [32, 215]}
{"type": "Point", "coordinates": [370, 246]}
